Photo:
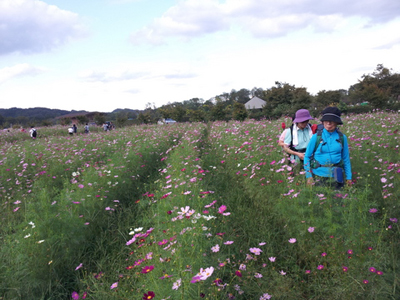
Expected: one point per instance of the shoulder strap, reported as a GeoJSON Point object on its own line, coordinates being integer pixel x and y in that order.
{"type": "Point", "coordinates": [291, 137]}
{"type": "Point", "coordinates": [341, 137]}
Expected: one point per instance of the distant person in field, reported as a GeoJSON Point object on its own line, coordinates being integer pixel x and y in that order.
{"type": "Point", "coordinates": [71, 130]}
{"type": "Point", "coordinates": [75, 128]}
{"type": "Point", "coordinates": [327, 158]}
{"type": "Point", "coordinates": [105, 127]}
{"type": "Point", "coordinates": [87, 128]}
{"type": "Point", "coordinates": [298, 136]}
{"type": "Point", "coordinates": [33, 132]}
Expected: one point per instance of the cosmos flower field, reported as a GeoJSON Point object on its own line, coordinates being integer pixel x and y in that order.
{"type": "Point", "coordinates": [196, 211]}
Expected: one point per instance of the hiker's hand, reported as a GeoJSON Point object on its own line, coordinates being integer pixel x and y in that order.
{"type": "Point", "coordinates": [310, 181]}
{"type": "Point", "coordinates": [301, 155]}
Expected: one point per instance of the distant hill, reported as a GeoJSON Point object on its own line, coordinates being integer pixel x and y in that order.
{"type": "Point", "coordinates": [126, 112]}
{"type": "Point", "coordinates": [36, 113]}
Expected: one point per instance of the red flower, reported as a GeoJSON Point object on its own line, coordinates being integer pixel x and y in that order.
{"type": "Point", "coordinates": [283, 125]}
{"type": "Point", "coordinates": [149, 295]}
{"type": "Point", "coordinates": [238, 273]}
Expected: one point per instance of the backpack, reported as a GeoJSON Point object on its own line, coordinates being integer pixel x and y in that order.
{"type": "Point", "coordinates": [315, 164]}
{"type": "Point", "coordinates": [34, 133]}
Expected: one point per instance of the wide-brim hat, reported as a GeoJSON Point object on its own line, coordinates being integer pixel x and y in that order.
{"type": "Point", "coordinates": [332, 114]}
{"type": "Point", "coordinates": [302, 115]}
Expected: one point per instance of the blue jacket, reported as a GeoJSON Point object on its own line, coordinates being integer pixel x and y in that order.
{"type": "Point", "coordinates": [329, 151]}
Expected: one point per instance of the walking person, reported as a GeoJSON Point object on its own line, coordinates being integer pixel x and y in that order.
{"type": "Point", "coordinates": [296, 141]}
{"type": "Point", "coordinates": [327, 159]}
{"type": "Point", "coordinates": [33, 132]}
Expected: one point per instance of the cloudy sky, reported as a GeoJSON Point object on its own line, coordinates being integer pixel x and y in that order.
{"type": "Point", "coordinates": [99, 55]}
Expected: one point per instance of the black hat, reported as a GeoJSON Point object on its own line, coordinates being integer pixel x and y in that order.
{"type": "Point", "coordinates": [332, 114]}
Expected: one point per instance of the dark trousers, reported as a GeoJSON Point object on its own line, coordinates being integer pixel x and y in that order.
{"type": "Point", "coordinates": [328, 182]}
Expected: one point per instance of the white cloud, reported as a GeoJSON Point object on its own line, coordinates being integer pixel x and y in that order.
{"type": "Point", "coordinates": [19, 70]}
{"type": "Point", "coordinates": [186, 20]}
{"type": "Point", "coordinates": [270, 18]}
{"type": "Point", "coordinates": [29, 26]}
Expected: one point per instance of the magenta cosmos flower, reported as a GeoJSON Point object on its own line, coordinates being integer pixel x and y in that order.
{"type": "Point", "coordinates": [149, 295]}
{"type": "Point", "coordinates": [147, 269]}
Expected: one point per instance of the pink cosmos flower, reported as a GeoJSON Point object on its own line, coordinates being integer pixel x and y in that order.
{"type": "Point", "coordinates": [320, 267]}
{"type": "Point", "coordinates": [228, 243]}
{"type": "Point", "coordinates": [176, 284]}
{"type": "Point", "coordinates": [114, 285]}
{"type": "Point", "coordinates": [365, 281]}
{"type": "Point", "coordinates": [292, 240]}
{"type": "Point", "coordinates": [194, 279]}
{"type": "Point", "coordinates": [75, 295]}
{"type": "Point", "coordinates": [215, 248]}
{"type": "Point", "coordinates": [272, 259]}
{"type": "Point", "coordinates": [373, 210]}
{"type": "Point", "coordinates": [222, 209]}
{"type": "Point", "coordinates": [256, 251]}
{"type": "Point", "coordinates": [205, 273]}
{"type": "Point", "coordinates": [310, 229]}
{"type": "Point", "coordinates": [345, 269]}
{"type": "Point", "coordinates": [265, 296]}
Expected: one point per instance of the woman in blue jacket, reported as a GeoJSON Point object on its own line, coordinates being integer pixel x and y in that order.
{"type": "Point", "coordinates": [327, 161]}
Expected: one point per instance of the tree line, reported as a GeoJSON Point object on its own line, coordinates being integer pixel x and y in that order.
{"type": "Point", "coordinates": [379, 89]}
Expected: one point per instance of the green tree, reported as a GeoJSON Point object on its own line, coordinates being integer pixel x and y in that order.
{"type": "Point", "coordinates": [82, 119]}
{"type": "Point", "coordinates": [65, 121]}
{"type": "Point", "coordinates": [196, 115]}
{"type": "Point", "coordinates": [239, 111]}
{"type": "Point", "coordinates": [217, 112]}
{"type": "Point", "coordinates": [99, 118]}
{"type": "Point", "coordinates": [381, 88]}
{"type": "Point", "coordinates": [178, 113]}
{"type": "Point", "coordinates": [122, 119]}
{"type": "Point", "coordinates": [241, 96]}
{"type": "Point", "coordinates": [285, 99]}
